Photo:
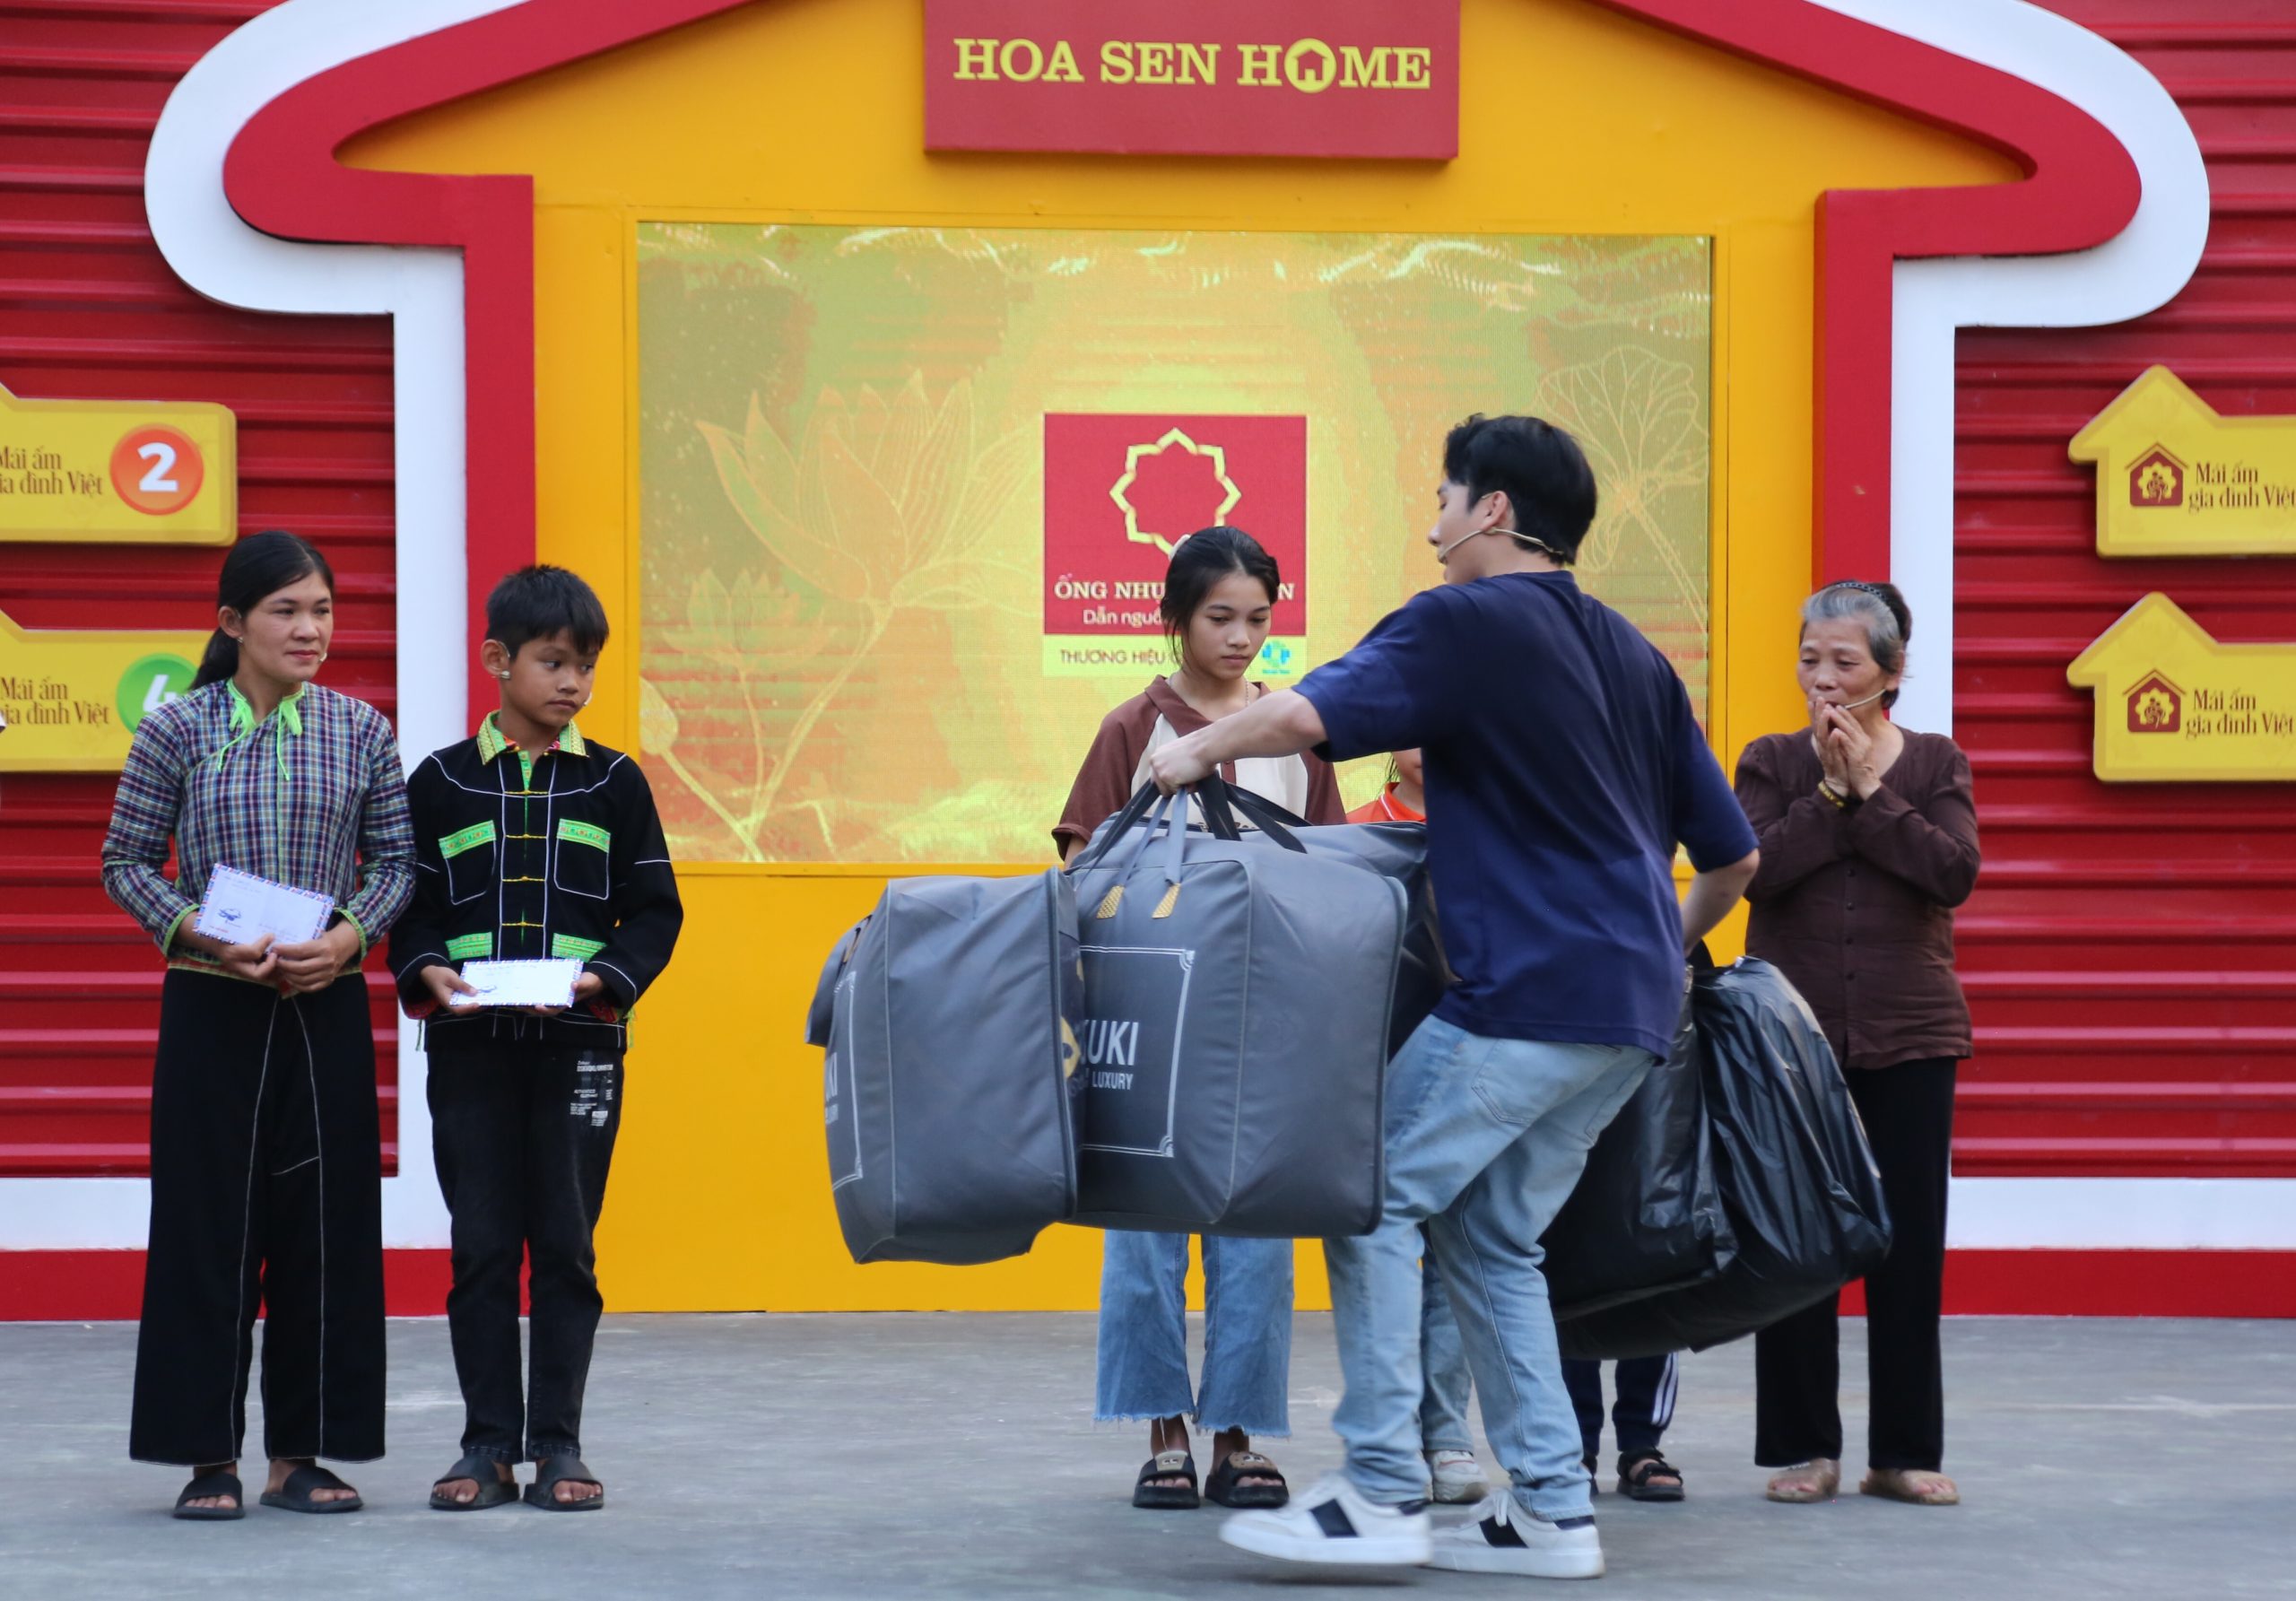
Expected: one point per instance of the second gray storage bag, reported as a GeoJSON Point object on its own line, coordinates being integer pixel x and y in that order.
{"type": "Point", "coordinates": [947, 1015]}
{"type": "Point", "coordinates": [1234, 1044]}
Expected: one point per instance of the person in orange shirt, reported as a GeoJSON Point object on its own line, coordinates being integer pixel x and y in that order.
{"type": "Point", "coordinates": [1404, 800]}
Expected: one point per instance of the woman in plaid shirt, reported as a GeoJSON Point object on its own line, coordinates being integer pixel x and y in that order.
{"type": "Point", "coordinates": [265, 1147]}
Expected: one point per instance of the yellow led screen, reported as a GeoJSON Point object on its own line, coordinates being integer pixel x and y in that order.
{"type": "Point", "coordinates": [906, 493]}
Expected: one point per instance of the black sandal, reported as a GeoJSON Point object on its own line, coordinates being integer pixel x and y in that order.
{"type": "Point", "coordinates": [1636, 1472]}
{"type": "Point", "coordinates": [205, 1484]}
{"type": "Point", "coordinates": [1150, 1495]}
{"type": "Point", "coordinates": [1225, 1485]}
{"type": "Point", "coordinates": [295, 1494]}
{"type": "Point", "coordinates": [493, 1489]}
{"type": "Point", "coordinates": [564, 1470]}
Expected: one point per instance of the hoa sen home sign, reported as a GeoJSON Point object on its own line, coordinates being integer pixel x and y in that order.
{"type": "Point", "coordinates": [1353, 78]}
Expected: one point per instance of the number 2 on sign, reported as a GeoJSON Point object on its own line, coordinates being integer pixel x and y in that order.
{"type": "Point", "coordinates": [157, 469]}
{"type": "Point", "coordinates": [162, 458]}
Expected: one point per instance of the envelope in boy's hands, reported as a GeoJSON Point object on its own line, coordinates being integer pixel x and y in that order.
{"type": "Point", "coordinates": [534, 983]}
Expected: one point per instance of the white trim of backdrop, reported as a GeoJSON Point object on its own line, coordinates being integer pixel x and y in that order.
{"type": "Point", "coordinates": [2144, 266]}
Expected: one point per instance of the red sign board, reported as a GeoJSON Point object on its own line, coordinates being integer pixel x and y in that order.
{"type": "Point", "coordinates": [1121, 491]}
{"type": "Point", "coordinates": [1357, 78]}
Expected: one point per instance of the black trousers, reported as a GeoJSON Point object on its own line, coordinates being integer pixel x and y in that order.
{"type": "Point", "coordinates": [267, 1192]}
{"type": "Point", "coordinates": [1644, 1404]}
{"type": "Point", "coordinates": [523, 1136]}
{"type": "Point", "coordinates": [1909, 1116]}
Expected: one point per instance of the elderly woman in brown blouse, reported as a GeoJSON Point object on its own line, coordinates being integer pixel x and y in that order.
{"type": "Point", "coordinates": [1868, 842]}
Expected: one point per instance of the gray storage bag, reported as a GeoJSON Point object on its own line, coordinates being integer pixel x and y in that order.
{"type": "Point", "coordinates": [948, 1017]}
{"type": "Point", "coordinates": [1235, 1032]}
{"type": "Point", "coordinates": [1396, 850]}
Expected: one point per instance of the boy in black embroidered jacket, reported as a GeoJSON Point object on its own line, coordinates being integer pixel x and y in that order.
{"type": "Point", "coordinates": [531, 842]}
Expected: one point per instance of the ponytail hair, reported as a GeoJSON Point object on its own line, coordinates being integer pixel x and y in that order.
{"type": "Point", "coordinates": [259, 566]}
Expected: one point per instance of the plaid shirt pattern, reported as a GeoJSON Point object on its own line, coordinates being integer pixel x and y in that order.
{"type": "Point", "coordinates": [312, 796]}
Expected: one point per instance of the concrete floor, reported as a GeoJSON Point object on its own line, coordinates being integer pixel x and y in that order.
{"type": "Point", "coordinates": [953, 1454]}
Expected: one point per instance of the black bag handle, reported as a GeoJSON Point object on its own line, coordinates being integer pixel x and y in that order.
{"type": "Point", "coordinates": [1220, 801]}
{"type": "Point", "coordinates": [1165, 812]}
{"type": "Point", "coordinates": [1124, 822]}
{"type": "Point", "coordinates": [1219, 796]}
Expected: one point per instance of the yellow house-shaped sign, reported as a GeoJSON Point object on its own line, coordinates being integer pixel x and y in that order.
{"type": "Point", "coordinates": [2175, 478]}
{"type": "Point", "coordinates": [2174, 705]}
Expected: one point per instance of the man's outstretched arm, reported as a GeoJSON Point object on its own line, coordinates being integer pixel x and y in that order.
{"type": "Point", "coordinates": [1283, 723]}
{"type": "Point", "coordinates": [1712, 894]}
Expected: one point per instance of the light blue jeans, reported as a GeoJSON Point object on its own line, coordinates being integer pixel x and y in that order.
{"type": "Point", "coordinates": [1485, 1140]}
{"type": "Point", "coordinates": [1443, 1402]}
{"type": "Point", "coordinates": [1246, 1332]}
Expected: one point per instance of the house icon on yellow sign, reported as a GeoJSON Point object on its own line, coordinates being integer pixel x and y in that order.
{"type": "Point", "coordinates": [2155, 706]}
{"type": "Point", "coordinates": [2156, 479]}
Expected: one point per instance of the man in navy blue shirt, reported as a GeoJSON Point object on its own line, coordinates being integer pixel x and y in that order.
{"type": "Point", "coordinates": [1565, 764]}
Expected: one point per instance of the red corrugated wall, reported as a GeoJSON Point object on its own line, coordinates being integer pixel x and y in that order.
{"type": "Point", "coordinates": [2130, 953]}
{"type": "Point", "coordinates": [89, 311]}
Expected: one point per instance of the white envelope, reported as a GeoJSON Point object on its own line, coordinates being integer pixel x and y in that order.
{"type": "Point", "coordinates": [534, 983]}
{"type": "Point", "coordinates": [240, 909]}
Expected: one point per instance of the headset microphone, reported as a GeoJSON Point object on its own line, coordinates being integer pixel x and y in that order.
{"type": "Point", "coordinates": [1444, 554]}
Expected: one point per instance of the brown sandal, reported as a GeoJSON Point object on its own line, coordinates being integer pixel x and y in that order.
{"type": "Point", "coordinates": [1899, 1484]}
{"type": "Point", "coordinates": [1825, 1483]}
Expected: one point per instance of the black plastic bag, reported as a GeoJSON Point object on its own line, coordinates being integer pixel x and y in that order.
{"type": "Point", "coordinates": [1798, 1181]}
{"type": "Point", "coordinates": [1648, 1213]}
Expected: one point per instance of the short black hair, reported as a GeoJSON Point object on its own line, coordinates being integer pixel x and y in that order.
{"type": "Point", "coordinates": [536, 602]}
{"type": "Point", "coordinates": [1198, 564]}
{"type": "Point", "coordinates": [1541, 470]}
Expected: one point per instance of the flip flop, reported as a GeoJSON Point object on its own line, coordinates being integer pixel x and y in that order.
{"type": "Point", "coordinates": [1223, 1485]}
{"type": "Point", "coordinates": [564, 1470]}
{"type": "Point", "coordinates": [212, 1483]}
{"type": "Point", "coordinates": [1827, 1486]}
{"type": "Point", "coordinates": [1167, 1498]}
{"type": "Point", "coordinates": [493, 1490]}
{"type": "Point", "coordinates": [1889, 1483]}
{"type": "Point", "coordinates": [1636, 1472]}
{"type": "Point", "coordinates": [295, 1494]}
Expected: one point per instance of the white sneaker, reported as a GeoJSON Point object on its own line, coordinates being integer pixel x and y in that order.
{"type": "Point", "coordinates": [1333, 1523]}
{"type": "Point", "coordinates": [1459, 1477]}
{"type": "Point", "coordinates": [1501, 1537]}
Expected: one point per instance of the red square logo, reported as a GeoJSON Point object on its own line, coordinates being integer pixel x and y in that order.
{"type": "Point", "coordinates": [1121, 491]}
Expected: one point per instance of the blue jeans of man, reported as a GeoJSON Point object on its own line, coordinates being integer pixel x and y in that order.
{"type": "Point", "coordinates": [1443, 1397]}
{"type": "Point", "coordinates": [1246, 1332]}
{"type": "Point", "coordinates": [1485, 1140]}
